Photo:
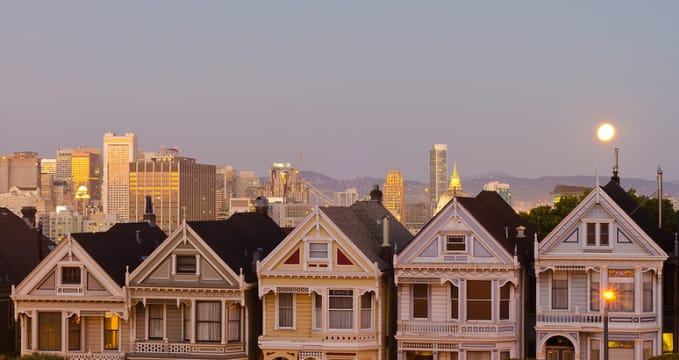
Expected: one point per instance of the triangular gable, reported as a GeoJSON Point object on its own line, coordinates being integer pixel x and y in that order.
{"type": "Point", "coordinates": [625, 237]}
{"type": "Point", "coordinates": [87, 279]}
{"type": "Point", "coordinates": [316, 228]}
{"type": "Point", "coordinates": [440, 240]}
{"type": "Point", "coordinates": [163, 267]}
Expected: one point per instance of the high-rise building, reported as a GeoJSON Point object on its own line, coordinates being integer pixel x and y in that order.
{"type": "Point", "coordinates": [86, 171]}
{"type": "Point", "coordinates": [21, 169]}
{"type": "Point", "coordinates": [284, 184]}
{"type": "Point", "coordinates": [248, 185]}
{"type": "Point", "coordinates": [225, 189]}
{"type": "Point", "coordinates": [119, 152]}
{"type": "Point", "coordinates": [63, 172]}
{"type": "Point", "coordinates": [48, 173]}
{"type": "Point", "coordinates": [177, 185]}
{"type": "Point", "coordinates": [438, 173]}
{"type": "Point", "coordinates": [501, 188]}
{"type": "Point", "coordinates": [394, 195]}
{"type": "Point", "coordinates": [346, 198]}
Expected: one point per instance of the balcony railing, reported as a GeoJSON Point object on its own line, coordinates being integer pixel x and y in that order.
{"type": "Point", "coordinates": [96, 356]}
{"type": "Point", "coordinates": [188, 348]}
{"type": "Point", "coordinates": [447, 328]}
{"type": "Point", "coordinates": [596, 319]}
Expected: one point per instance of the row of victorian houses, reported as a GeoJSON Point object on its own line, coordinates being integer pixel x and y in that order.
{"type": "Point", "coordinates": [352, 283]}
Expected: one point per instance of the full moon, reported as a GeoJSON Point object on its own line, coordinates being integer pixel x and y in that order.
{"type": "Point", "coordinates": [605, 132]}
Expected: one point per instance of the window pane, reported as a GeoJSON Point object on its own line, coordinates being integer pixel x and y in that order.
{"type": "Point", "coordinates": [648, 291]}
{"type": "Point", "coordinates": [208, 321]}
{"type": "Point", "coordinates": [454, 302]}
{"type": "Point", "coordinates": [285, 310]}
{"type": "Point", "coordinates": [340, 306]}
{"type": "Point", "coordinates": [594, 292]}
{"type": "Point", "coordinates": [479, 301]}
{"type": "Point", "coordinates": [233, 331]}
{"type": "Point", "coordinates": [186, 264]}
{"type": "Point", "coordinates": [420, 301]}
{"type": "Point", "coordinates": [49, 331]}
{"type": "Point", "coordinates": [155, 321]}
{"type": "Point", "coordinates": [318, 311]}
{"type": "Point", "coordinates": [73, 333]}
{"type": "Point", "coordinates": [504, 301]}
{"type": "Point", "coordinates": [187, 322]}
{"type": "Point", "coordinates": [591, 234]}
{"type": "Point", "coordinates": [455, 243]}
{"type": "Point", "coordinates": [70, 275]}
{"type": "Point", "coordinates": [366, 311]}
{"type": "Point", "coordinates": [603, 234]}
{"type": "Point", "coordinates": [318, 250]}
{"type": "Point", "coordinates": [559, 290]}
{"type": "Point", "coordinates": [111, 328]}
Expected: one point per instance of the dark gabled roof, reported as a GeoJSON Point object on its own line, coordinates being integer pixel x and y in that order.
{"type": "Point", "coordinates": [640, 216]}
{"type": "Point", "coordinates": [362, 224]}
{"type": "Point", "coordinates": [123, 245]}
{"type": "Point", "coordinates": [19, 252]}
{"type": "Point", "coordinates": [237, 239]}
{"type": "Point", "coordinates": [501, 221]}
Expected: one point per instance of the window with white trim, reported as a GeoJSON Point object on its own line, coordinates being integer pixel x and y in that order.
{"type": "Point", "coordinates": [454, 302]}
{"type": "Point", "coordinates": [318, 251]}
{"type": "Point", "coordinates": [285, 311]}
{"type": "Point", "coordinates": [479, 300]}
{"type": "Point", "coordinates": [318, 311]}
{"type": "Point", "coordinates": [186, 264]}
{"type": "Point", "coordinates": [74, 333]}
{"type": "Point", "coordinates": [621, 281]}
{"type": "Point", "coordinates": [559, 290]}
{"type": "Point", "coordinates": [505, 294]}
{"type": "Point", "coordinates": [209, 321]}
{"type": "Point", "coordinates": [647, 278]}
{"type": "Point", "coordinates": [112, 332]}
{"type": "Point", "coordinates": [49, 331]}
{"type": "Point", "coordinates": [594, 291]}
{"type": "Point", "coordinates": [155, 322]}
{"type": "Point", "coordinates": [233, 329]}
{"type": "Point", "coordinates": [420, 301]}
{"type": "Point", "coordinates": [366, 311]}
{"type": "Point", "coordinates": [597, 233]}
{"type": "Point", "coordinates": [341, 309]}
{"type": "Point", "coordinates": [70, 275]}
{"type": "Point", "coordinates": [456, 243]}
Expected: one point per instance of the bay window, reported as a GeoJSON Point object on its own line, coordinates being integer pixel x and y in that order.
{"type": "Point", "coordinates": [341, 309]}
{"type": "Point", "coordinates": [366, 311]}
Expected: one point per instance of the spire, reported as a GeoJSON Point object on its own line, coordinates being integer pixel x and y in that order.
{"type": "Point", "coordinates": [455, 184]}
{"type": "Point", "coordinates": [615, 177]}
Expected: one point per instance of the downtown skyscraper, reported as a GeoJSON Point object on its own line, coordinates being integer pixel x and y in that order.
{"type": "Point", "coordinates": [438, 173]}
{"type": "Point", "coordinates": [118, 153]}
{"type": "Point", "coordinates": [395, 195]}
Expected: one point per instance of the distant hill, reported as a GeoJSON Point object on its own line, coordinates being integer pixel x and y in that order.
{"type": "Point", "coordinates": [526, 193]}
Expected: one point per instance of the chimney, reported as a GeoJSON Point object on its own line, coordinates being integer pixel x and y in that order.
{"type": "Point", "coordinates": [28, 213]}
{"type": "Point", "coordinates": [376, 194]}
{"type": "Point", "coordinates": [386, 243]}
{"type": "Point", "coordinates": [262, 205]}
{"type": "Point", "coordinates": [149, 216]}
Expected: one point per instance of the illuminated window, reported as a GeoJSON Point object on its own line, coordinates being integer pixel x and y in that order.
{"type": "Point", "coordinates": [622, 283]}
{"type": "Point", "coordinates": [111, 332]}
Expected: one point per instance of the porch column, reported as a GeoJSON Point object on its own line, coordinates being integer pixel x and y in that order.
{"type": "Point", "coordinates": [399, 355]}
{"type": "Point", "coordinates": [193, 321]}
{"type": "Point", "coordinates": [538, 303]}
{"type": "Point", "coordinates": [64, 332]}
{"type": "Point", "coordinates": [224, 320]}
{"type": "Point", "coordinates": [34, 332]}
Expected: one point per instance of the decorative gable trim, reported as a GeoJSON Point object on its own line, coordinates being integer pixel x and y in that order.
{"type": "Point", "coordinates": [622, 238]}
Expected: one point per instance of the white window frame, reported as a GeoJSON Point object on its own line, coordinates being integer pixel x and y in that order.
{"type": "Point", "coordinates": [294, 312]}
{"type": "Point", "coordinates": [412, 302]}
{"type": "Point", "coordinates": [551, 291]}
{"type": "Point", "coordinates": [598, 224]}
{"type": "Point", "coordinates": [310, 258]}
{"type": "Point", "coordinates": [362, 311]}
{"type": "Point", "coordinates": [353, 309]}
{"type": "Point", "coordinates": [175, 264]}
{"type": "Point", "coordinates": [162, 322]}
{"type": "Point", "coordinates": [317, 316]}
{"type": "Point", "coordinates": [465, 243]}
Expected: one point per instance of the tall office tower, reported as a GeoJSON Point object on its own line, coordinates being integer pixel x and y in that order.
{"type": "Point", "coordinates": [177, 185]}
{"type": "Point", "coordinates": [21, 169]}
{"type": "Point", "coordinates": [119, 152]}
{"type": "Point", "coordinates": [346, 198]}
{"type": "Point", "coordinates": [48, 173]}
{"type": "Point", "coordinates": [248, 185]}
{"type": "Point", "coordinates": [225, 189]}
{"type": "Point", "coordinates": [64, 164]}
{"type": "Point", "coordinates": [86, 171]}
{"type": "Point", "coordinates": [284, 184]}
{"type": "Point", "coordinates": [500, 188]}
{"type": "Point", "coordinates": [438, 174]}
{"type": "Point", "coordinates": [394, 195]}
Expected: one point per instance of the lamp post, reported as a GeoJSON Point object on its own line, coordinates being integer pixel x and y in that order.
{"type": "Point", "coordinates": [609, 295]}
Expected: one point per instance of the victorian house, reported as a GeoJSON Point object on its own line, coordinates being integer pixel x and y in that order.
{"type": "Point", "coordinates": [74, 303]}
{"type": "Point", "coordinates": [327, 289]}
{"type": "Point", "coordinates": [464, 284]}
{"type": "Point", "coordinates": [22, 246]}
{"type": "Point", "coordinates": [195, 296]}
{"type": "Point", "coordinates": [606, 245]}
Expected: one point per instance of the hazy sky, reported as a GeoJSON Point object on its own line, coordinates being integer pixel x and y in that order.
{"type": "Point", "coordinates": [356, 87]}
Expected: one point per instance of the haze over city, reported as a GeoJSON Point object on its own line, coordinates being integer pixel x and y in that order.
{"type": "Point", "coordinates": [516, 87]}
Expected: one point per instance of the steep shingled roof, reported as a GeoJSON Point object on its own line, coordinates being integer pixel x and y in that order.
{"type": "Point", "coordinates": [362, 224]}
{"type": "Point", "coordinates": [18, 248]}
{"type": "Point", "coordinates": [123, 245]}
{"type": "Point", "coordinates": [501, 221]}
{"type": "Point", "coordinates": [236, 239]}
{"type": "Point", "coordinates": [640, 216]}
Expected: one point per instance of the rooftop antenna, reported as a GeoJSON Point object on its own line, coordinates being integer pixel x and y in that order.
{"type": "Point", "coordinates": [659, 197]}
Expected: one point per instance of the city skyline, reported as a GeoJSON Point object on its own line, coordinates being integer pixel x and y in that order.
{"type": "Point", "coordinates": [518, 88]}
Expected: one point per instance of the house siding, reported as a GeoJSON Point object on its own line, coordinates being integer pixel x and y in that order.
{"type": "Point", "coordinates": [579, 291]}
{"type": "Point", "coordinates": [439, 302]}
{"type": "Point", "coordinates": [544, 291]}
{"type": "Point", "coordinates": [94, 333]}
{"type": "Point", "coordinates": [173, 327]}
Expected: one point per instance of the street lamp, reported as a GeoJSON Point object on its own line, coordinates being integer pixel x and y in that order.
{"type": "Point", "coordinates": [609, 295]}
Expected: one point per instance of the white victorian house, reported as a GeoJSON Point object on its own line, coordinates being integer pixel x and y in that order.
{"type": "Point", "coordinates": [461, 284]}
{"type": "Point", "coordinates": [605, 243]}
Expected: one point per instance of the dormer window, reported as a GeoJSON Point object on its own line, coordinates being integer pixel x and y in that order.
{"type": "Point", "coordinates": [186, 264]}
{"type": "Point", "coordinates": [598, 234]}
{"type": "Point", "coordinates": [456, 243]}
{"type": "Point", "coordinates": [70, 275]}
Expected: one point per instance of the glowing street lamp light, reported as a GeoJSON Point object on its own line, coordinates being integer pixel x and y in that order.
{"type": "Point", "coordinates": [609, 295]}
